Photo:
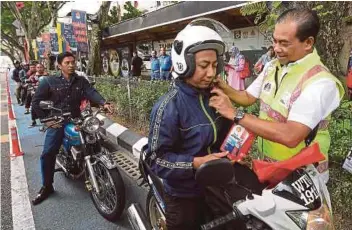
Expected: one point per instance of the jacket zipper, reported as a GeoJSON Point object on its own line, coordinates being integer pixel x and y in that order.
{"type": "Point", "coordinates": [211, 121]}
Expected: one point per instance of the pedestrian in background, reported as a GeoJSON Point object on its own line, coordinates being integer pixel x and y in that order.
{"type": "Point", "coordinates": [349, 77]}
{"type": "Point", "coordinates": [165, 65]}
{"type": "Point", "coordinates": [155, 67]}
{"type": "Point", "coordinates": [234, 68]}
{"type": "Point", "coordinates": [136, 65]}
{"type": "Point", "coordinates": [265, 58]}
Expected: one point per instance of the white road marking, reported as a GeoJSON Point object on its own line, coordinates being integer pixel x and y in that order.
{"type": "Point", "coordinates": [22, 216]}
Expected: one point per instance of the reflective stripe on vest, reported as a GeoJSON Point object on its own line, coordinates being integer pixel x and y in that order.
{"type": "Point", "coordinates": [276, 107]}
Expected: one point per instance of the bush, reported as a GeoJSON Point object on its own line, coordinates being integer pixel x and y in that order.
{"type": "Point", "coordinates": [143, 96]}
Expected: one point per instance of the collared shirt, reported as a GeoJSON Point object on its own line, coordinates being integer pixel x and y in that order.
{"type": "Point", "coordinates": [155, 64]}
{"type": "Point", "coordinates": [314, 104]}
{"type": "Point", "coordinates": [165, 62]}
{"type": "Point", "coordinates": [66, 95]}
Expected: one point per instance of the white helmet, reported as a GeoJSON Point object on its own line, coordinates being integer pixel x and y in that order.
{"type": "Point", "coordinates": [200, 34]}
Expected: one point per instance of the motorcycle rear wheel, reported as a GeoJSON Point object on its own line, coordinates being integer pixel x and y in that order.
{"type": "Point", "coordinates": [110, 203]}
{"type": "Point", "coordinates": [155, 216]}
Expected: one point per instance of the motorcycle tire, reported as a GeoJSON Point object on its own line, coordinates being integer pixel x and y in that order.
{"type": "Point", "coordinates": [119, 188]}
{"type": "Point", "coordinates": [151, 209]}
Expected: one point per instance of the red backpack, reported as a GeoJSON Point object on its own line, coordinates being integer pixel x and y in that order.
{"type": "Point", "coordinates": [246, 72]}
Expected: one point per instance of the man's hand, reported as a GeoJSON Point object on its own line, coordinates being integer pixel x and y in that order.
{"type": "Point", "coordinates": [49, 124]}
{"type": "Point", "coordinates": [220, 83]}
{"type": "Point", "coordinates": [198, 161]}
{"type": "Point", "coordinates": [108, 107]}
{"type": "Point", "coordinates": [221, 102]}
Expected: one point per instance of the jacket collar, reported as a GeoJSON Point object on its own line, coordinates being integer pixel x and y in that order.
{"type": "Point", "coordinates": [191, 90]}
{"type": "Point", "coordinates": [73, 76]}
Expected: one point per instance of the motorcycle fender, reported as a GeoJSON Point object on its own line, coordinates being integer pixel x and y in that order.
{"type": "Point", "coordinates": [110, 164]}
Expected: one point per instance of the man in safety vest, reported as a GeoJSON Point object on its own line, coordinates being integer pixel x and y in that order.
{"type": "Point", "coordinates": [297, 93]}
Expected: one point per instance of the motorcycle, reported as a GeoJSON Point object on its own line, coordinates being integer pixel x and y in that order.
{"type": "Point", "coordinates": [82, 154]}
{"type": "Point", "coordinates": [286, 195]}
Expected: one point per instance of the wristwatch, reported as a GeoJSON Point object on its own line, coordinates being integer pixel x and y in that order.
{"type": "Point", "coordinates": [239, 115]}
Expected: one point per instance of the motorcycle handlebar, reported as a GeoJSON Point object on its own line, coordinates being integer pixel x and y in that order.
{"type": "Point", "coordinates": [54, 118]}
{"type": "Point", "coordinates": [235, 215]}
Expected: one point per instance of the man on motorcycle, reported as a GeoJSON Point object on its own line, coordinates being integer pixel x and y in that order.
{"type": "Point", "coordinates": [24, 92]}
{"type": "Point", "coordinates": [184, 131]}
{"type": "Point", "coordinates": [23, 77]}
{"type": "Point", "coordinates": [297, 93]}
{"type": "Point", "coordinates": [66, 90]}
{"type": "Point", "coordinates": [34, 79]}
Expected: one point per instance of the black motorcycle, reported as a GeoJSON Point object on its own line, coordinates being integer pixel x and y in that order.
{"type": "Point", "coordinates": [82, 154]}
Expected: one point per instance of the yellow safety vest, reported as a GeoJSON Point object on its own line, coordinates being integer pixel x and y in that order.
{"type": "Point", "coordinates": [277, 98]}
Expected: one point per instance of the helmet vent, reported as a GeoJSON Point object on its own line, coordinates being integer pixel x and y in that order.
{"type": "Point", "coordinates": [178, 45]}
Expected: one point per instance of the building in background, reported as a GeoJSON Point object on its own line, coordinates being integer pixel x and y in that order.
{"type": "Point", "coordinates": [158, 28]}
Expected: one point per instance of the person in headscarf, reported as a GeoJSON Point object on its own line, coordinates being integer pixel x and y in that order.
{"type": "Point", "coordinates": [234, 69]}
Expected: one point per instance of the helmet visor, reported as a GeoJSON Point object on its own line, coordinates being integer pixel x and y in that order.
{"type": "Point", "coordinates": [225, 34]}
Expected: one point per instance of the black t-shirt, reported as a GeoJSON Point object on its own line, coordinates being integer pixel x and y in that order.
{"type": "Point", "coordinates": [137, 64]}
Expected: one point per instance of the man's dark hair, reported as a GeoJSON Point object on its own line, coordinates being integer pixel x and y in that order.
{"type": "Point", "coordinates": [32, 64]}
{"type": "Point", "coordinates": [61, 57]}
{"type": "Point", "coordinates": [307, 20]}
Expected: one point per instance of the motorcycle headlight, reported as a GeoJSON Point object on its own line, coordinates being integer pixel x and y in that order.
{"type": "Point", "coordinates": [91, 124]}
{"type": "Point", "coordinates": [319, 219]}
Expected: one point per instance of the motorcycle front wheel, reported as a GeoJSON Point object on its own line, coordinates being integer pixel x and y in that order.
{"type": "Point", "coordinates": [110, 202]}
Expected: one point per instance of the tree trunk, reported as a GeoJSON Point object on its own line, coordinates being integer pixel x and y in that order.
{"type": "Point", "coordinates": [94, 65]}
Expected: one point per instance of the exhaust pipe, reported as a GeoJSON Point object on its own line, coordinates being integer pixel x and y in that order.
{"type": "Point", "coordinates": [58, 163]}
{"type": "Point", "coordinates": [137, 218]}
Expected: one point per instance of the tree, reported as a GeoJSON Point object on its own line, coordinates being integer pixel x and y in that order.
{"type": "Point", "coordinates": [131, 11]}
{"type": "Point", "coordinates": [33, 18]}
{"type": "Point", "coordinates": [99, 22]}
{"type": "Point", "coordinates": [114, 15]}
{"type": "Point", "coordinates": [332, 16]}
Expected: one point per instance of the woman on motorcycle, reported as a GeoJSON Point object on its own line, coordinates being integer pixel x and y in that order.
{"type": "Point", "coordinates": [184, 131]}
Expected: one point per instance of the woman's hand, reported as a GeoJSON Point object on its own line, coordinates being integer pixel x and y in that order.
{"type": "Point", "coordinates": [198, 161]}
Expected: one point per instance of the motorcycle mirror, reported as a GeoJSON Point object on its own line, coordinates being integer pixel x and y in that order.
{"type": "Point", "coordinates": [46, 104]}
{"type": "Point", "coordinates": [215, 173]}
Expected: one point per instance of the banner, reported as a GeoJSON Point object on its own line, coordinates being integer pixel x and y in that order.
{"type": "Point", "coordinates": [79, 24]}
{"type": "Point", "coordinates": [69, 41]}
{"type": "Point", "coordinates": [41, 47]}
{"type": "Point", "coordinates": [54, 42]}
{"type": "Point", "coordinates": [46, 41]}
{"type": "Point", "coordinates": [59, 37]}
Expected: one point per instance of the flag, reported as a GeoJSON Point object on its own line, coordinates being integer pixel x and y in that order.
{"type": "Point", "coordinates": [19, 5]}
{"type": "Point", "coordinates": [135, 4]}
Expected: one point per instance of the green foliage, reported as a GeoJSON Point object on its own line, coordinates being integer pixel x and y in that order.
{"type": "Point", "coordinates": [132, 12]}
{"type": "Point", "coordinates": [265, 17]}
{"type": "Point", "coordinates": [333, 15]}
{"type": "Point", "coordinates": [143, 96]}
{"type": "Point", "coordinates": [113, 16]}
{"type": "Point", "coordinates": [340, 183]}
